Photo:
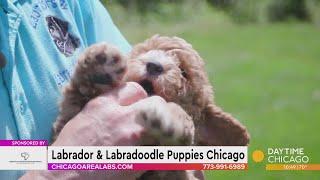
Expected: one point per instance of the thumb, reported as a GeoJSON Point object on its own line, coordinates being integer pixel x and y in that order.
{"type": "Point", "coordinates": [126, 94]}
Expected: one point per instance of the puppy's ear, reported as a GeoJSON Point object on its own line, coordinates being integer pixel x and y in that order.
{"type": "Point", "coordinates": [220, 128]}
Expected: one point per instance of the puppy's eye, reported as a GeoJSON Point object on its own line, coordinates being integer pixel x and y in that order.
{"type": "Point", "coordinates": [184, 73]}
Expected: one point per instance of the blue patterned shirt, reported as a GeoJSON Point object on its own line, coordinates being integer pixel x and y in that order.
{"type": "Point", "coordinates": [39, 44]}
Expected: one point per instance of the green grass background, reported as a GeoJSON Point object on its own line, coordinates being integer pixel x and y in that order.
{"type": "Point", "coordinates": [266, 75]}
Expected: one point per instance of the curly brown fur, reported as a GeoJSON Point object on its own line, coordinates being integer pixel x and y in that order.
{"type": "Point", "coordinates": [168, 67]}
{"type": "Point", "coordinates": [185, 82]}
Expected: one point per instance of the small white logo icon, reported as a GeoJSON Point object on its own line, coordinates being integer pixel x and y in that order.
{"type": "Point", "coordinates": [25, 155]}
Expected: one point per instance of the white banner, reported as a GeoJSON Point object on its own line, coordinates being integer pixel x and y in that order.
{"type": "Point", "coordinates": [23, 157]}
{"type": "Point", "coordinates": [147, 154]}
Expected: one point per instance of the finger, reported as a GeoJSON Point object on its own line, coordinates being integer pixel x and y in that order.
{"type": "Point", "coordinates": [126, 94]}
{"type": "Point", "coordinates": [152, 101]}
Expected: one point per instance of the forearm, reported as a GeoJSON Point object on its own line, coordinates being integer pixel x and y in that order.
{"type": "Point", "coordinates": [48, 175]}
{"type": "Point", "coordinates": [79, 175]}
{"type": "Point", "coordinates": [78, 131]}
{"type": "Point", "coordinates": [66, 137]}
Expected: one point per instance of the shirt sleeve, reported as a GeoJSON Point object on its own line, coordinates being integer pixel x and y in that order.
{"type": "Point", "coordinates": [100, 27]}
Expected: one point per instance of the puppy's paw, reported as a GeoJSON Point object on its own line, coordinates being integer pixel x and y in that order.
{"type": "Point", "coordinates": [101, 67]}
{"type": "Point", "coordinates": [186, 123]}
{"type": "Point", "coordinates": [165, 125]}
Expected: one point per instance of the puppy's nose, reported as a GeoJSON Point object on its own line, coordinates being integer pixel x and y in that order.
{"type": "Point", "coordinates": [154, 68]}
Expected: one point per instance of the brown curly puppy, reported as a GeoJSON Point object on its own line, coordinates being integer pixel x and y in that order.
{"type": "Point", "coordinates": [166, 67]}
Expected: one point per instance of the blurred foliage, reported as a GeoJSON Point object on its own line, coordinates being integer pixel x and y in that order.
{"type": "Point", "coordinates": [269, 10]}
{"type": "Point", "coordinates": [313, 7]}
{"type": "Point", "coordinates": [150, 10]}
{"type": "Point", "coordinates": [241, 11]}
{"type": "Point", "coordinates": [281, 10]}
{"type": "Point", "coordinates": [144, 6]}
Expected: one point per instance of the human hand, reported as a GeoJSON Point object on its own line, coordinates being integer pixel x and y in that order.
{"type": "Point", "coordinates": [105, 121]}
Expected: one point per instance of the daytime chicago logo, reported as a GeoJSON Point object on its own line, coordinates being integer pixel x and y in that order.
{"type": "Point", "coordinates": [287, 156]}
{"type": "Point", "coordinates": [282, 156]}
{"type": "Point", "coordinates": [285, 159]}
